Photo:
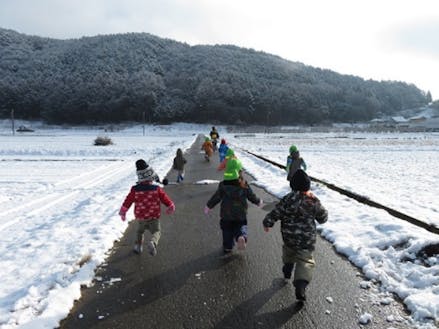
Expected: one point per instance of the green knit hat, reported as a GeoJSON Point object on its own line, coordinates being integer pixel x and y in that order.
{"type": "Point", "coordinates": [293, 148]}
{"type": "Point", "coordinates": [233, 166]}
{"type": "Point", "coordinates": [206, 139]}
{"type": "Point", "coordinates": [230, 153]}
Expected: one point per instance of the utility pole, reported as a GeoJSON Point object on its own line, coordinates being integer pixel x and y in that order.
{"type": "Point", "coordinates": [143, 117]}
{"type": "Point", "coordinates": [13, 122]}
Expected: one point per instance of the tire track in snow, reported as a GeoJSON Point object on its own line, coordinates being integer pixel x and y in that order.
{"type": "Point", "coordinates": [59, 196]}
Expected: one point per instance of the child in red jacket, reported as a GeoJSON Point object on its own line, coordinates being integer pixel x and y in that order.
{"type": "Point", "coordinates": [146, 197]}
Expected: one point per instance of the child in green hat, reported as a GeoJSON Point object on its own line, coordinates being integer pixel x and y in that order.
{"type": "Point", "coordinates": [233, 195]}
{"type": "Point", "coordinates": [294, 163]}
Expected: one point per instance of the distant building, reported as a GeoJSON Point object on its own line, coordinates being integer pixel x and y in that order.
{"type": "Point", "coordinates": [399, 120]}
{"type": "Point", "coordinates": [417, 119]}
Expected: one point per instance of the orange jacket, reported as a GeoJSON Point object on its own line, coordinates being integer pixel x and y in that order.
{"type": "Point", "coordinates": [208, 148]}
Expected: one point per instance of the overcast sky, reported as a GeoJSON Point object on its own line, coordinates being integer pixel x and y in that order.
{"type": "Point", "coordinates": [373, 39]}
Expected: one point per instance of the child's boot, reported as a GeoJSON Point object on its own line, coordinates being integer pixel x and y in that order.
{"type": "Point", "coordinates": [152, 248]}
{"type": "Point", "coordinates": [227, 252]}
{"type": "Point", "coordinates": [300, 286]}
{"type": "Point", "coordinates": [138, 247]}
{"type": "Point", "coordinates": [287, 269]}
{"type": "Point", "coordinates": [241, 243]}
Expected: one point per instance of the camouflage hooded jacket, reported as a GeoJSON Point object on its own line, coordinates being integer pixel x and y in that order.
{"type": "Point", "coordinates": [298, 212]}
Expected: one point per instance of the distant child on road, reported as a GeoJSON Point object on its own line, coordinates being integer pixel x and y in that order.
{"type": "Point", "coordinates": [298, 212]}
{"type": "Point", "coordinates": [233, 213]}
{"type": "Point", "coordinates": [208, 148]}
{"type": "Point", "coordinates": [146, 197]}
{"type": "Point", "coordinates": [294, 162]}
{"type": "Point", "coordinates": [222, 150]}
{"type": "Point", "coordinates": [178, 165]}
{"type": "Point", "coordinates": [230, 154]}
{"type": "Point", "coordinates": [214, 137]}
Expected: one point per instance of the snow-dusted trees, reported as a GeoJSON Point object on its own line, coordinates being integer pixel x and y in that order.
{"type": "Point", "coordinates": [131, 76]}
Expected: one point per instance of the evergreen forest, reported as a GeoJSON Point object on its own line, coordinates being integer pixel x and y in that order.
{"type": "Point", "coordinates": [141, 77]}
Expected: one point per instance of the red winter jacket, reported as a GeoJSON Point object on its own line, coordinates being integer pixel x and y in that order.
{"type": "Point", "coordinates": [146, 198]}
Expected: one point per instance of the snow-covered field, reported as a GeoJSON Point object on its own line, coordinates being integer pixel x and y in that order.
{"type": "Point", "coordinates": [59, 197]}
{"type": "Point", "coordinates": [400, 171]}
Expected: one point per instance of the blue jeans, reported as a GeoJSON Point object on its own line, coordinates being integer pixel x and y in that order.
{"type": "Point", "coordinates": [180, 176]}
{"type": "Point", "coordinates": [231, 233]}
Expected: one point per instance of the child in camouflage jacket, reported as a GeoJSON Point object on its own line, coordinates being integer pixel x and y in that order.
{"type": "Point", "coordinates": [298, 212]}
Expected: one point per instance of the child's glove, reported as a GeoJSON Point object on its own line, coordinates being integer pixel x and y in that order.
{"type": "Point", "coordinates": [266, 229]}
{"type": "Point", "coordinates": [171, 209]}
{"type": "Point", "coordinates": [261, 203]}
{"type": "Point", "coordinates": [123, 213]}
{"type": "Point", "coordinates": [206, 210]}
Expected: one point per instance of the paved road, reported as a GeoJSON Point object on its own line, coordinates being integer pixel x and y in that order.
{"type": "Point", "coordinates": [190, 285]}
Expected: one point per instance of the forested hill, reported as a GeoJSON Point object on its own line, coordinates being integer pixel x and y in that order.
{"type": "Point", "coordinates": [116, 78]}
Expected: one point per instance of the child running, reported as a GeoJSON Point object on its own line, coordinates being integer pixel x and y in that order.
{"type": "Point", "coordinates": [233, 196]}
{"type": "Point", "coordinates": [298, 212]}
{"type": "Point", "coordinates": [146, 197]}
{"type": "Point", "coordinates": [208, 148]}
{"type": "Point", "coordinates": [178, 165]}
{"type": "Point", "coordinates": [230, 154]}
{"type": "Point", "coordinates": [294, 162]}
{"type": "Point", "coordinates": [222, 150]}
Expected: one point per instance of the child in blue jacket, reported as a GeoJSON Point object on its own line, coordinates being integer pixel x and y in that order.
{"type": "Point", "coordinates": [222, 150]}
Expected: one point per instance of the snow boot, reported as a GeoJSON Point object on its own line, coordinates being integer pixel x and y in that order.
{"type": "Point", "coordinates": [241, 243]}
{"type": "Point", "coordinates": [287, 269]}
{"type": "Point", "coordinates": [152, 248]}
{"type": "Point", "coordinates": [138, 248]}
{"type": "Point", "coordinates": [300, 286]}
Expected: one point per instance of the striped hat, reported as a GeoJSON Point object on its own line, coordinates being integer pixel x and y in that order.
{"type": "Point", "coordinates": [145, 172]}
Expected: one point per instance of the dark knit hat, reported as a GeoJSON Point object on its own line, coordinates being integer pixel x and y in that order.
{"type": "Point", "coordinates": [141, 164]}
{"type": "Point", "coordinates": [145, 172]}
{"type": "Point", "coordinates": [301, 181]}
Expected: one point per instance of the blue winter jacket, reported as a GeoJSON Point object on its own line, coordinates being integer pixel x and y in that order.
{"type": "Point", "coordinates": [222, 150]}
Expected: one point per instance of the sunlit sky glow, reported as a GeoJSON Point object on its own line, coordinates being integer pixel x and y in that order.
{"type": "Point", "coordinates": [374, 39]}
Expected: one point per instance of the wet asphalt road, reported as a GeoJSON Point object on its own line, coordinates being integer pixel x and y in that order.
{"type": "Point", "coordinates": [188, 284]}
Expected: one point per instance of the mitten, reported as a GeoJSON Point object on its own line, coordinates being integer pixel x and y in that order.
{"type": "Point", "coordinates": [206, 210]}
{"type": "Point", "coordinates": [165, 181]}
{"type": "Point", "coordinates": [171, 209]}
{"type": "Point", "coordinates": [123, 212]}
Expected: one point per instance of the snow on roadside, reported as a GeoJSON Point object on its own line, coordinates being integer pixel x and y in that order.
{"type": "Point", "coordinates": [384, 247]}
{"type": "Point", "coordinates": [56, 224]}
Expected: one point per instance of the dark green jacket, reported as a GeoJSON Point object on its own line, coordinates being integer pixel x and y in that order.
{"type": "Point", "coordinates": [233, 198]}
